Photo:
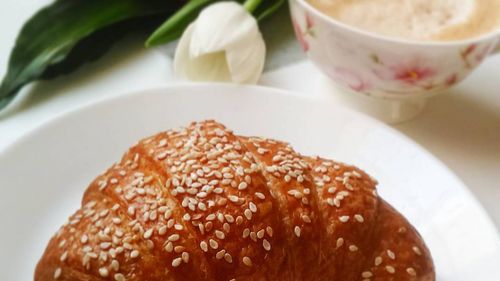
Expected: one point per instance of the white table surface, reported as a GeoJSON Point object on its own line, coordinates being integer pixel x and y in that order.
{"type": "Point", "coordinates": [462, 127]}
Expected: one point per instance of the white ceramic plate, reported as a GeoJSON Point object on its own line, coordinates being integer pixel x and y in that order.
{"type": "Point", "coordinates": [43, 175]}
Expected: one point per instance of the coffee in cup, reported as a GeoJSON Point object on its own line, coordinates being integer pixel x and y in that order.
{"type": "Point", "coordinates": [422, 20]}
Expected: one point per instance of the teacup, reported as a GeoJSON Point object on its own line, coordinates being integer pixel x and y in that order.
{"type": "Point", "coordinates": [404, 73]}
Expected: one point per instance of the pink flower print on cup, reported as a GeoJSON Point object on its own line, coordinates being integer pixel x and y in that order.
{"type": "Point", "coordinates": [350, 78]}
{"type": "Point", "coordinates": [309, 22]}
{"type": "Point", "coordinates": [451, 80]}
{"type": "Point", "coordinates": [472, 55]}
{"type": "Point", "coordinates": [302, 34]}
{"type": "Point", "coordinates": [412, 74]}
{"type": "Point", "coordinates": [466, 54]}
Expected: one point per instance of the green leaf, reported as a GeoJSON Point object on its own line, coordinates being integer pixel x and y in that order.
{"type": "Point", "coordinates": [66, 34]}
{"type": "Point", "coordinates": [251, 5]}
{"type": "Point", "coordinates": [268, 8]}
{"type": "Point", "coordinates": [173, 27]}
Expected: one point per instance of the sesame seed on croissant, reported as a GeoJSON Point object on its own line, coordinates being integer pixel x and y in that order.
{"type": "Point", "coordinates": [201, 203]}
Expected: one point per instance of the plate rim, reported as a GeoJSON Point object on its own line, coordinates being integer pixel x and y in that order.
{"type": "Point", "coordinates": [183, 85]}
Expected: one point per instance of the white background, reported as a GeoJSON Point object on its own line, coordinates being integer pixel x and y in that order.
{"type": "Point", "coordinates": [462, 127]}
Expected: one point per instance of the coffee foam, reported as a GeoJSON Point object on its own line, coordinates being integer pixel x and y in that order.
{"type": "Point", "coordinates": [417, 19]}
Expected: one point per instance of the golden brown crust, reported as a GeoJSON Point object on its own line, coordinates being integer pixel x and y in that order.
{"type": "Point", "coordinates": [203, 204]}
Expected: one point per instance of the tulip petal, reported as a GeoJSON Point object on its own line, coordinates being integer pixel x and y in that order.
{"type": "Point", "coordinates": [223, 44]}
{"type": "Point", "coordinates": [220, 26]}
{"type": "Point", "coordinates": [208, 67]}
{"type": "Point", "coordinates": [246, 62]}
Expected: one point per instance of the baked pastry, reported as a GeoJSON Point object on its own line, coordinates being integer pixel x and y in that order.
{"type": "Point", "coordinates": [201, 203]}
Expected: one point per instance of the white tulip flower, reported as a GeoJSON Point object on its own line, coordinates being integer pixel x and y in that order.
{"type": "Point", "coordinates": [223, 44]}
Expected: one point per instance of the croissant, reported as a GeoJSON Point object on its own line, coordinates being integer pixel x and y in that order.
{"type": "Point", "coordinates": [201, 203]}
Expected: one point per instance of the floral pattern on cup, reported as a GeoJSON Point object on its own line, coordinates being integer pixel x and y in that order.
{"type": "Point", "coordinates": [410, 73]}
{"type": "Point", "coordinates": [350, 79]}
{"type": "Point", "coordinates": [415, 74]}
{"type": "Point", "coordinates": [302, 34]}
{"type": "Point", "coordinates": [374, 65]}
{"type": "Point", "coordinates": [472, 55]}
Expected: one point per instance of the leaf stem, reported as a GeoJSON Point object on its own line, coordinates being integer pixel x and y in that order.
{"type": "Point", "coordinates": [251, 5]}
{"type": "Point", "coordinates": [175, 25]}
{"type": "Point", "coordinates": [270, 10]}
